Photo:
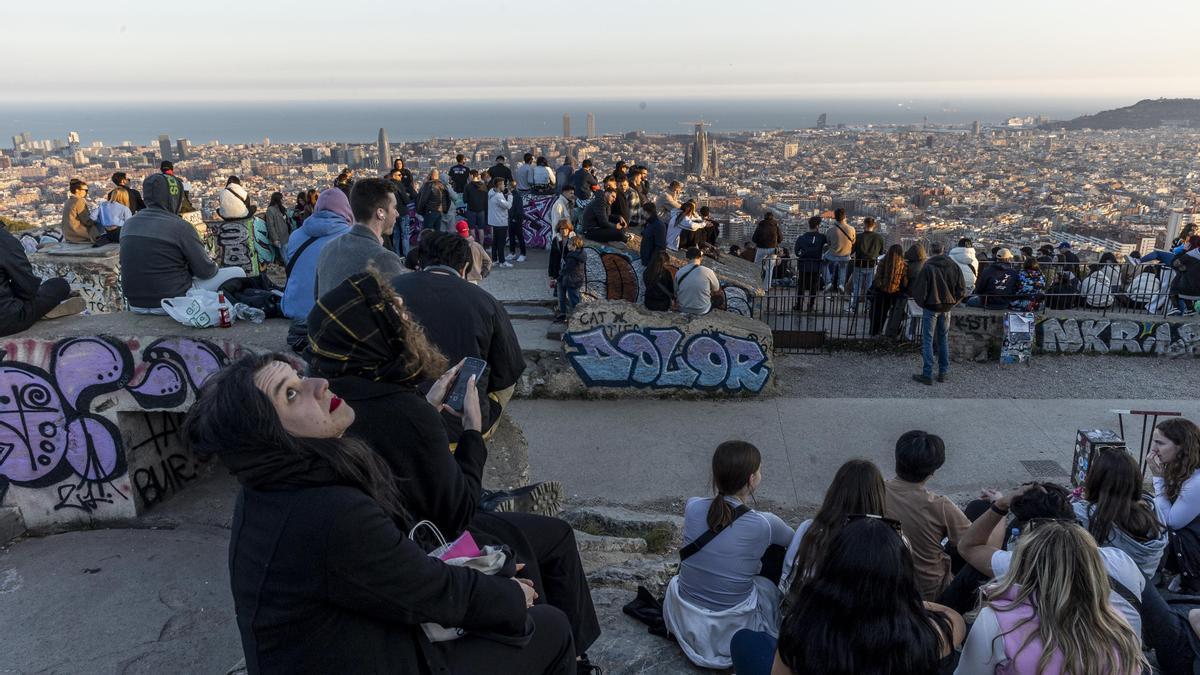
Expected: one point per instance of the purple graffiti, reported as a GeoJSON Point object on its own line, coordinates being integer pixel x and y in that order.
{"type": "Point", "coordinates": [48, 432]}
{"type": "Point", "coordinates": [654, 358]}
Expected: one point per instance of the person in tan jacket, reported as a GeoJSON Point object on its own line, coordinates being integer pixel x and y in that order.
{"type": "Point", "coordinates": [77, 224]}
{"type": "Point", "coordinates": [841, 237]}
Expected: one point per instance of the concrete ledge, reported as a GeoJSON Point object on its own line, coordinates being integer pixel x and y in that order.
{"type": "Point", "coordinates": [94, 272]}
{"type": "Point", "coordinates": [977, 334]}
{"type": "Point", "coordinates": [90, 408]}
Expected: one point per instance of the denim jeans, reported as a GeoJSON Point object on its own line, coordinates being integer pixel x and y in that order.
{"type": "Point", "coordinates": [753, 652]}
{"type": "Point", "coordinates": [432, 221]}
{"type": "Point", "coordinates": [567, 299]}
{"type": "Point", "coordinates": [863, 277]}
{"type": "Point", "coordinates": [1167, 630]}
{"type": "Point", "coordinates": [836, 268]}
{"type": "Point", "coordinates": [930, 322]}
{"type": "Point", "coordinates": [400, 244]}
{"type": "Point", "coordinates": [1164, 257]}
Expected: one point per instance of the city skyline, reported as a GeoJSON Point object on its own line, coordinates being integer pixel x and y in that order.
{"type": "Point", "coordinates": [867, 48]}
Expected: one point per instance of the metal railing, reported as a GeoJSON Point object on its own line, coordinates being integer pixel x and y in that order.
{"type": "Point", "coordinates": [806, 312]}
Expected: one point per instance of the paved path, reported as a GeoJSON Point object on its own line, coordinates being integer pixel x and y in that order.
{"type": "Point", "coordinates": [635, 452]}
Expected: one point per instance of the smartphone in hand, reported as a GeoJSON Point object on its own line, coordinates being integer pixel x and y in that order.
{"type": "Point", "coordinates": [471, 366]}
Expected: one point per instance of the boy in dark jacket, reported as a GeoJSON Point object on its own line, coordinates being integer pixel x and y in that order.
{"type": "Point", "coordinates": [476, 197]}
{"type": "Point", "coordinates": [570, 277]}
{"type": "Point", "coordinates": [996, 284]}
{"type": "Point", "coordinates": [938, 288]}
{"type": "Point", "coordinates": [867, 249]}
{"type": "Point", "coordinates": [24, 298]}
{"type": "Point", "coordinates": [654, 234]}
{"type": "Point", "coordinates": [809, 248]}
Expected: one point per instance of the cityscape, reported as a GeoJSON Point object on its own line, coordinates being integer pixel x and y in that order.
{"type": "Point", "coordinates": [1015, 182]}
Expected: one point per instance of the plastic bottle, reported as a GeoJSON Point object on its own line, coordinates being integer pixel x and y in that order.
{"type": "Point", "coordinates": [225, 320]}
{"type": "Point", "coordinates": [253, 314]}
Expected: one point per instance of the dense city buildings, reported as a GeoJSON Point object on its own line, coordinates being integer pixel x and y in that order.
{"type": "Point", "coordinates": [1001, 185]}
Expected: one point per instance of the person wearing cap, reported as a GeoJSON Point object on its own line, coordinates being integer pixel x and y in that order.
{"type": "Point", "coordinates": [120, 180]}
{"type": "Point", "coordinates": [1070, 260]}
{"type": "Point", "coordinates": [168, 169]}
{"type": "Point", "coordinates": [162, 255]}
{"type": "Point", "coordinates": [996, 284]}
{"type": "Point", "coordinates": [481, 262]}
{"type": "Point", "coordinates": [78, 227]}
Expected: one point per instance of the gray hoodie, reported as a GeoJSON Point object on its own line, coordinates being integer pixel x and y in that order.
{"type": "Point", "coordinates": [967, 262]}
{"type": "Point", "coordinates": [1145, 553]}
{"type": "Point", "coordinates": [161, 252]}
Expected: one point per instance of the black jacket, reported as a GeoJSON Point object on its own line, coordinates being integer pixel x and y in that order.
{"type": "Point", "coordinates": [404, 429]}
{"type": "Point", "coordinates": [476, 197]}
{"type": "Point", "coordinates": [868, 246]}
{"type": "Point", "coordinates": [459, 175]}
{"type": "Point", "coordinates": [323, 581]}
{"type": "Point", "coordinates": [767, 234]}
{"type": "Point", "coordinates": [18, 283]}
{"type": "Point", "coordinates": [809, 248]}
{"type": "Point", "coordinates": [464, 320]}
{"type": "Point", "coordinates": [939, 285]}
{"type": "Point", "coordinates": [500, 171]}
{"type": "Point", "coordinates": [998, 280]}
{"type": "Point", "coordinates": [654, 239]}
{"type": "Point", "coordinates": [434, 198]}
{"type": "Point", "coordinates": [584, 181]}
{"type": "Point", "coordinates": [660, 290]}
{"type": "Point", "coordinates": [621, 206]}
{"type": "Point", "coordinates": [557, 249]}
{"type": "Point", "coordinates": [597, 216]}
{"type": "Point", "coordinates": [1187, 281]}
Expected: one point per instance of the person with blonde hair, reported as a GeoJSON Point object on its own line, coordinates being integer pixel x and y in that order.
{"type": "Point", "coordinates": [113, 212]}
{"type": "Point", "coordinates": [1050, 613]}
{"type": "Point", "coordinates": [1175, 464]}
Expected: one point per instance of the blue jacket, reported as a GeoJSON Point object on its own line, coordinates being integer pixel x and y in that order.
{"type": "Point", "coordinates": [654, 239]}
{"type": "Point", "coordinates": [300, 294]}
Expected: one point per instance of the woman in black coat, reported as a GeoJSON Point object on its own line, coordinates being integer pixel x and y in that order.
{"type": "Point", "coordinates": [323, 578]}
{"type": "Point", "coordinates": [375, 355]}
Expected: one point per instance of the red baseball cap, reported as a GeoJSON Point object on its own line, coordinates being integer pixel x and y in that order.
{"type": "Point", "coordinates": [463, 229]}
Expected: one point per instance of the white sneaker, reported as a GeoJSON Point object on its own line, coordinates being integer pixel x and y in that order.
{"type": "Point", "coordinates": [520, 258]}
{"type": "Point", "coordinates": [506, 264]}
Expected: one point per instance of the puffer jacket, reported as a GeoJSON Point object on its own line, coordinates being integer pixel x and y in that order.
{"type": "Point", "coordinates": [967, 262]}
{"type": "Point", "coordinates": [300, 294]}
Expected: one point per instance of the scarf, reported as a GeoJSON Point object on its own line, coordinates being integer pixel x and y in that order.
{"type": "Point", "coordinates": [354, 330]}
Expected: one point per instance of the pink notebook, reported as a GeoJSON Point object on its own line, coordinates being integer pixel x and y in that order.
{"type": "Point", "coordinates": [463, 547]}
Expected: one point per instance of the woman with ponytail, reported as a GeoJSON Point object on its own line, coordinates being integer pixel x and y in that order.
{"type": "Point", "coordinates": [729, 564]}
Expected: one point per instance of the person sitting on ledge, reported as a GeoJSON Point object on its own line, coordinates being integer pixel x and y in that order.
{"type": "Point", "coordinates": [730, 564]}
{"type": "Point", "coordinates": [24, 298]}
{"type": "Point", "coordinates": [78, 227]}
{"type": "Point", "coordinates": [996, 284]}
{"type": "Point", "coordinates": [599, 223]}
{"type": "Point", "coordinates": [161, 254]}
{"type": "Point", "coordinates": [696, 287]}
{"type": "Point", "coordinates": [324, 578]}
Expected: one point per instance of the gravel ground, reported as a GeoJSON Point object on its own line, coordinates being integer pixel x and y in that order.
{"type": "Point", "coordinates": [852, 374]}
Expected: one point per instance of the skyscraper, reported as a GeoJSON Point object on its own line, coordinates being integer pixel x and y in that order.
{"type": "Point", "coordinates": [566, 125]}
{"type": "Point", "coordinates": [385, 155]}
{"type": "Point", "coordinates": [591, 125]}
{"type": "Point", "coordinates": [976, 128]}
{"type": "Point", "coordinates": [164, 148]}
{"type": "Point", "coordinates": [822, 120]}
{"type": "Point", "coordinates": [183, 148]}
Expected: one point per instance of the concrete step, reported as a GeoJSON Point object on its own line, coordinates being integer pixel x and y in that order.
{"type": "Point", "coordinates": [661, 531]}
{"type": "Point", "coordinates": [593, 543]}
{"type": "Point", "coordinates": [529, 311]}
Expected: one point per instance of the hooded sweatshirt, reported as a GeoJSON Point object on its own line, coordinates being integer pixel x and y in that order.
{"type": "Point", "coordinates": [939, 285]}
{"type": "Point", "coordinates": [967, 262]}
{"type": "Point", "coordinates": [1146, 554]}
{"type": "Point", "coordinates": [1187, 282]}
{"type": "Point", "coordinates": [160, 252]}
{"type": "Point", "coordinates": [332, 219]}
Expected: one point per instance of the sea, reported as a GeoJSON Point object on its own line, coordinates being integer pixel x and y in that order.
{"type": "Point", "coordinates": [360, 121]}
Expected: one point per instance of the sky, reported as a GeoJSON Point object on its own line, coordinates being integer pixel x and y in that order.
{"type": "Point", "coordinates": [268, 50]}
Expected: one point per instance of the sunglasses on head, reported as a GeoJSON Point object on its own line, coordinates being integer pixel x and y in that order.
{"type": "Point", "coordinates": [890, 522]}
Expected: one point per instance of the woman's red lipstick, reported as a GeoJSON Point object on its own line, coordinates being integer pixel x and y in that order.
{"type": "Point", "coordinates": [335, 402]}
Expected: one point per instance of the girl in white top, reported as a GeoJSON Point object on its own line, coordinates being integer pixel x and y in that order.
{"type": "Point", "coordinates": [1175, 464]}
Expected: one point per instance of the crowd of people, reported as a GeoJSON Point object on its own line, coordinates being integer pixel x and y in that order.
{"type": "Point", "coordinates": [891, 577]}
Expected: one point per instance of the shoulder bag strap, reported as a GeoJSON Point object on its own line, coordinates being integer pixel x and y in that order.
{"type": "Point", "coordinates": [1124, 591]}
{"type": "Point", "coordinates": [287, 270]}
{"type": "Point", "coordinates": [702, 541]}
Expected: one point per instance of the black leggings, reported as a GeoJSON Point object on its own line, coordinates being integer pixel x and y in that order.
{"type": "Point", "coordinates": [550, 650]}
{"type": "Point", "coordinates": [516, 237]}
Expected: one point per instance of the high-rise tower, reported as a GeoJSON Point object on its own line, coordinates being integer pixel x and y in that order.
{"type": "Point", "coordinates": [591, 125]}
{"type": "Point", "coordinates": [385, 155]}
{"type": "Point", "coordinates": [566, 125]}
{"type": "Point", "coordinates": [165, 151]}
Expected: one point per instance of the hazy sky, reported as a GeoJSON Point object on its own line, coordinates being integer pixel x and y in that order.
{"type": "Point", "coordinates": [114, 51]}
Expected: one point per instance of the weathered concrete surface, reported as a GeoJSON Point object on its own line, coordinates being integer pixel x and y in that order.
{"type": "Point", "coordinates": [619, 348]}
{"type": "Point", "coordinates": [508, 457]}
{"type": "Point", "coordinates": [660, 531]}
{"type": "Point", "coordinates": [118, 601]}
{"type": "Point", "coordinates": [11, 524]}
{"type": "Point", "coordinates": [94, 272]}
{"type": "Point", "coordinates": [626, 648]}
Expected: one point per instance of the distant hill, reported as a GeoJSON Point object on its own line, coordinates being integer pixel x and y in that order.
{"type": "Point", "coordinates": [1145, 114]}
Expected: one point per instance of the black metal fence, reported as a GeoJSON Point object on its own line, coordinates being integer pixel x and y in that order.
{"type": "Point", "coordinates": [808, 310]}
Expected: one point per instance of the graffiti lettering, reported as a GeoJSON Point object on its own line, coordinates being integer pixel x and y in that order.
{"type": "Point", "coordinates": [164, 472]}
{"type": "Point", "coordinates": [1068, 336]}
{"type": "Point", "coordinates": [655, 358]}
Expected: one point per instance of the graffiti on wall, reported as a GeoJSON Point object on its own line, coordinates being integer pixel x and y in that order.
{"type": "Point", "coordinates": [1106, 335]}
{"type": "Point", "coordinates": [164, 466]}
{"type": "Point", "coordinates": [660, 358]}
{"type": "Point", "coordinates": [612, 274]}
{"type": "Point", "coordinates": [241, 243]}
{"type": "Point", "coordinates": [50, 436]}
{"type": "Point", "coordinates": [99, 286]}
{"type": "Point", "coordinates": [536, 226]}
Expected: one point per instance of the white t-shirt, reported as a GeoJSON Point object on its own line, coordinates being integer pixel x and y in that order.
{"type": "Point", "coordinates": [696, 289]}
{"type": "Point", "coordinates": [1119, 566]}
